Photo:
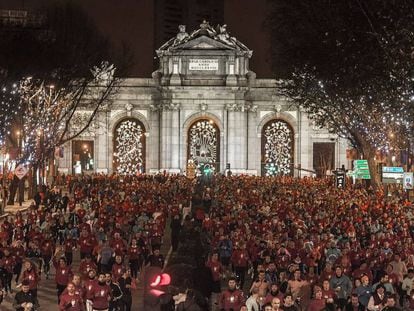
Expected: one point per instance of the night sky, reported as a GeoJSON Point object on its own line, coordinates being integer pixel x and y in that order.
{"type": "Point", "coordinates": [132, 22]}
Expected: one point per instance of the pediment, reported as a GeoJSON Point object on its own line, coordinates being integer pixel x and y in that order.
{"type": "Point", "coordinates": [203, 43]}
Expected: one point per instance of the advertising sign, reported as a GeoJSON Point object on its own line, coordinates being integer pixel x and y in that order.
{"type": "Point", "coordinates": [408, 181]}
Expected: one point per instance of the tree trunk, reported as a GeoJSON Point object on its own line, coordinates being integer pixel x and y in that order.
{"type": "Point", "coordinates": [369, 154]}
{"type": "Point", "coordinates": [33, 185]}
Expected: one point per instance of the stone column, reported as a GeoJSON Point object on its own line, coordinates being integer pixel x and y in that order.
{"type": "Point", "coordinates": [170, 137]}
{"type": "Point", "coordinates": [236, 143]}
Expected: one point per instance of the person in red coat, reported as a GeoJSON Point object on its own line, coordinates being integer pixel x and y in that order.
{"type": "Point", "coordinates": [47, 249]}
{"type": "Point", "coordinates": [89, 284]}
{"type": "Point", "coordinates": [86, 265]}
{"type": "Point", "coordinates": [100, 294]}
{"type": "Point", "coordinates": [79, 288]}
{"type": "Point", "coordinates": [240, 261]}
{"type": "Point", "coordinates": [31, 277]}
{"type": "Point", "coordinates": [69, 245]}
{"type": "Point", "coordinates": [318, 303]}
{"type": "Point", "coordinates": [18, 255]}
{"type": "Point", "coordinates": [7, 264]}
{"type": "Point", "coordinates": [231, 298]}
{"type": "Point", "coordinates": [70, 300]}
{"type": "Point", "coordinates": [85, 244]}
{"type": "Point", "coordinates": [63, 274]}
{"type": "Point", "coordinates": [135, 258]}
{"type": "Point", "coordinates": [117, 268]}
{"type": "Point", "coordinates": [118, 245]}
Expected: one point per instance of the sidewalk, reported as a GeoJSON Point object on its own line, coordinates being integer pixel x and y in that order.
{"type": "Point", "coordinates": [13, 209]}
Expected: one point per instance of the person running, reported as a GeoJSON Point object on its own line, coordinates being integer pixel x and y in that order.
{"type": "Point", "coordinates": [70, 300]}
{"type": "Point", "coordinates": [100, 294]}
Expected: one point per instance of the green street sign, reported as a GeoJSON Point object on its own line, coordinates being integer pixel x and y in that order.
{"type": "Point", "coordinates": [361, 169]}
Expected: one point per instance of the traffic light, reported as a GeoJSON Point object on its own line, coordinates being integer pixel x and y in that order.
{"type": "Point", "coordinates": [156, 285]}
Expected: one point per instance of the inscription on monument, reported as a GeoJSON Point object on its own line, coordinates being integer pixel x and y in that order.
{"type": "Point", "coordinates": [203, 64]}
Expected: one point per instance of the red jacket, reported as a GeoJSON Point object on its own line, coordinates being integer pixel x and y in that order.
{"type": "Point", "coordinates": [240, 258]}
{"type": "Point", "coordinates": [47, 248]}
{"type": "Point", "coordinates": [71, 302]}
{"type": "Point", "coordinates": [118, 245]}
{"type": "Point", "coordinates": [117, 271]}
{"type": "Point", "coordinates": [63, 274]}
{"type": "Point", "coordinates": [7, 263]}
{"type": "Point", "coordinates": [85, 267]}
{"type": "Point", "coordinates": [79, 290]}
{"type": "Point", "coordinates": [231, 300]}
{"type": "Point", "coordinates": [100, 296]}
{"type": "Point", "coordinates": [134, 252]}
{"type": "Point", "coordinates": [32, 276]}
{"type": "Point", "coordinates": [216, 269]}
{"type": "Point", "coordinates": [86, 244]}
{"type": "Point", "coordinates": [89, 286]}
{"type": "Point", "coordinates": [69, 245]}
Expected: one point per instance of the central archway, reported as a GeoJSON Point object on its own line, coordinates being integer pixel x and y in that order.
{"type": "Point", "coordinates": [277, 148]}
{"type": "Point", "coordinates": [204, 145]}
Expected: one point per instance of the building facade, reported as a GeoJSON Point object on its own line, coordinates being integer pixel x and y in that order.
{"type": "Point", "coordinates": [206, 106]}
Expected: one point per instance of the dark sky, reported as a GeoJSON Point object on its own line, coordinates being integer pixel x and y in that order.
{"type": "Point", "coordinates": [132, 22]}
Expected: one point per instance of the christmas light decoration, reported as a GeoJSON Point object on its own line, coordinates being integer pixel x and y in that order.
{"type": "Point", "coordinates": [9, 110]}
{"type": "Point", "coordinates": [353, 73]}
{"type": "Point", "coordinates": [278, 148]}
{"type": "Point", "coordinates": [50, 111]}
{"type": "Point", "coordinates": [203, 143]}
{"type": "Point", "coordinates": [129, 143]}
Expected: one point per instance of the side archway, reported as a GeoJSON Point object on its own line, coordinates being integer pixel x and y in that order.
{"type": "Point", "coordinates": [129, 146]}
{"type": "Point", "coordinates": [277, 148]}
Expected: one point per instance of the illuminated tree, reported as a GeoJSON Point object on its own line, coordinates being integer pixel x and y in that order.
{"type": "Point", "coordinates": [49, 112]}
{"type": "Point", "coordinates": [64, 54]}
{"type": "Point", "coordinates": [9, 110]}
{"type": "Point", "coordinates": [349, 64]}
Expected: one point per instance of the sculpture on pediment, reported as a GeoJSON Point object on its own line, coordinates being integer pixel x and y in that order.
{"type": "Point", "coordinates": [181, 35]}
{"type": "Point", "coordinates": [205, 29]}
{"type": "Point", "coordinates": [219, 33]}
{"type": "Point", "coordinates": [224, 36]}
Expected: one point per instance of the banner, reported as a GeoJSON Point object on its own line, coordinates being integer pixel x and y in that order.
{"type": "Point", "coordinates": [408, 181]}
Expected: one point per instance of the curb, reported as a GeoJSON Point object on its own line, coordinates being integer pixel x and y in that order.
{"type": "Point", "coordinates": [6, 214]}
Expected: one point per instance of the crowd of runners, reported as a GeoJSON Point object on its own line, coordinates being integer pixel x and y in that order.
{"type": "Point", "coordinates": [114, 224]}
{"type": "Point", "coordinates": [303, 244]}
{"type": "Point", "coordinates": [273, 244]}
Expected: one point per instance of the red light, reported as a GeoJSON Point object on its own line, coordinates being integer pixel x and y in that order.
{"type": "Point", "coordinates": [161, 280]}
{"type": "Point", "coordinates": [157, 281]}
{"type": "Point", "coordinates": [157, 292]}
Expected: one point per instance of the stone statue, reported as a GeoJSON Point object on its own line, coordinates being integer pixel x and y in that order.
{"type": "Point", "coordinates": [224, 36]}
{"type": "Point", "coordinates": [182, 34]}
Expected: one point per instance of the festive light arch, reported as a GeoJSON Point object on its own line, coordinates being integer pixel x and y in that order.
{"type": "Point", "coordinates": [204, 144]}
{"type": "Point", "coordinates": [277, 148]}
{"type": "Point", "coordinates": [129, 145]}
